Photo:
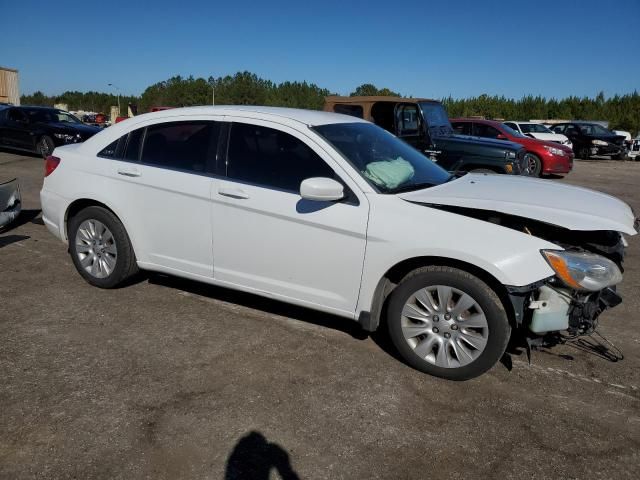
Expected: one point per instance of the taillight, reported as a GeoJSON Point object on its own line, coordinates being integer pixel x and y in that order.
{"type": "Point", "coordinates": [50, 164]}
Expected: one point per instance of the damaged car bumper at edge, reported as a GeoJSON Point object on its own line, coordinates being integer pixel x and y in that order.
{"type": "Point", "coordinates": [10, 202]}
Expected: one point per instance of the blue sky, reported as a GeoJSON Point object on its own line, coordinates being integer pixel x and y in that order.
{"type": "Point", "coordinates": [421, 48]}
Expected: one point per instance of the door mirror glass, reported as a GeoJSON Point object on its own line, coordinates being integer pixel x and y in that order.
{"type": "Point", "coordinates": [321, 189]}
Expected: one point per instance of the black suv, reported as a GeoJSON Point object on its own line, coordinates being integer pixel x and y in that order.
{"type": "Point", "coordinates": [592, 139]}
{"type": "Point", "coordinates": [425, 125]}
{"type": "Point", "coordinates": [41, 129]}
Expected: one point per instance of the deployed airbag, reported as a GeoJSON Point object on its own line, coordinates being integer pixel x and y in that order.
{"type": "Point", "coordinates": [389, 174]}
{"type": "Point", "coordinates": [10, 202]}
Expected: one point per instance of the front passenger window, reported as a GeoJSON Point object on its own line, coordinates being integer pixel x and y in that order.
{"type": "Point", "coordinates": [271, 158]}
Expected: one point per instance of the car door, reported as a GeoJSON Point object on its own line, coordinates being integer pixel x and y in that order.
{"type": "Point", "coordinates": [267, 239]}
{"type": "Point", "coordinates": [16, 130]}
{"type": "Point", "coordinates": [162, 184]}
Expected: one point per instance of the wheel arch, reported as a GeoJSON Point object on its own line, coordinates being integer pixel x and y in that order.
{"type": "Point", "coordinates": [82, 203]}
{"type": "Point", "coordinates": [371, 320]}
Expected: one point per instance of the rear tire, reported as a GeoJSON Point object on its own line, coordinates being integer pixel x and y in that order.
{"type": "Point", "coordinates": [100, 248]}
{"type": "Point", "coordinates": [448, 323]}
{"type": "Point", "coordinates": [45, 146]}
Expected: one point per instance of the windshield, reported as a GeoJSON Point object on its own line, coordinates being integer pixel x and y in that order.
{"type": "Point", "coordinates": [534, 128]}
{"type": "Point", "coordinates": [386, 162]}
{"type": "Point", "coordinates": [435, 115]}
{"type": "Point", "coordinates": [512, 132]}
{"type": "Point", "coordinates": [51, 116]}
{"type": "Point", "coordinates": [594, 129]}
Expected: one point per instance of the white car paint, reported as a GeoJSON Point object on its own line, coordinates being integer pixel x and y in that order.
{"type": "Point", "coordinates": [276, 244]}
{"type": "Point", "coordinates": [548, 136]}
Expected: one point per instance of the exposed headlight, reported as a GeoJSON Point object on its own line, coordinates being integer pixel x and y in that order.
{"type": "Point", "coordinates": [64, 136]}
{"type": "Point", "coordinates": [599, 142]}
{"type": "Point", "coordinates": [582, 270]}
{"type": "Point", "coordinates": [510, 155]}
{"type": "Point", "coordinates": [554, 150]}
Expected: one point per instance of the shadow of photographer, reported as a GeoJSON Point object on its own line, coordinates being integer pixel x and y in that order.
{"type": "Point", "coordinates": [253, 458]}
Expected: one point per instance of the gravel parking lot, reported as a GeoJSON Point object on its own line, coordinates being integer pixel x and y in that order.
{"type": "Point", "coordinates": [173, 379]}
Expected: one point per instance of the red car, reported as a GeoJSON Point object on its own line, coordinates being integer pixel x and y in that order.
{"type": "Point", "coordinates": [541, 157]}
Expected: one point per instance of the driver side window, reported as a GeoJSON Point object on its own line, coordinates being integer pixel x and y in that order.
{"type": "Point", "coordinates": [16, 115]}
{"type": "Point", "coordinates": [270, 158]}
{"type": "Point", "coordinates": [407, 120]}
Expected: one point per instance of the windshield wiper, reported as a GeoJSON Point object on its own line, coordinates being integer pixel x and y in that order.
{"type": "Point", "coordinates": [411, 187]}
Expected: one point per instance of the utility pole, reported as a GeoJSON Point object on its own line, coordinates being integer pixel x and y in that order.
{"type": "Point", "coordinates": [213, 94]}
{"type": "Point", "coordinates": [117, 90]}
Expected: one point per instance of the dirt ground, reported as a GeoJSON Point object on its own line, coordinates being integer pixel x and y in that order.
{"type": "Point", "coordinates": [171, 379]}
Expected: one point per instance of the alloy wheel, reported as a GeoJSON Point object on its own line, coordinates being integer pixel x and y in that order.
{"type": "Point", "coordinates": [444, 326]}
{"type": "Point", "coordinates": [96, 248]}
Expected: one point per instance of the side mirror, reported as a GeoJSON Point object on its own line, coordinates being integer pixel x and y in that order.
{"type": "Point", "coordinates": [321, 189]}
{"type": "Point", "coordinates": [501, 137]}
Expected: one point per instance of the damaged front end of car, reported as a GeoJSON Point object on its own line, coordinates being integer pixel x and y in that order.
{"type": "Point", "coordinates": [588, 265]}
{"type": "Point", "coordinates": [10, 202]}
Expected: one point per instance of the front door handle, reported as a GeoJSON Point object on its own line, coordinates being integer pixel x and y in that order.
{"type": "Point", "coordinates": [233, 193]}
{"type": "Point", "coordinates": [128, 172]}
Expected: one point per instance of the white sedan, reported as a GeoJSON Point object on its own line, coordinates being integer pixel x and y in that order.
{"type": "Point", "coordinates": [539, 131]}
{"type": "Point", "coordinates": [334, 213]}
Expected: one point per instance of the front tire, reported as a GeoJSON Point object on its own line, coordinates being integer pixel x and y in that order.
{"type": "Point", "coordinates": [448, 323]}
{"type": "Point", "coordinates": [45, 146]}
{"type": "Point", "coordinates": [100, 248]}
{"type": "Point", "coordinates": [534, 164]}
{"type": "Point", "coordinates": [583, 153]}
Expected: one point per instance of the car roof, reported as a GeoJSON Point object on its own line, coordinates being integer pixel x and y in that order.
{"type": "Point", "coordinates": [478, 120]}
{"type": "Point", "coordinates": [307, 117]}
{"type": "Point", "coordinates": [294, 117]}
{"type": "Point", "coordinates": [37, 107]}
{"type": "Point", "coordinates": [375, 98]}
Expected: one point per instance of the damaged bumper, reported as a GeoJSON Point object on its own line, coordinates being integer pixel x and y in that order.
{"type": "Point", "coordinates": [10, 202]}
{"type": "Point", "coordinates": [546, 308]}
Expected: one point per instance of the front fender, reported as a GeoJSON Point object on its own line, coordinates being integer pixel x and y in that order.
{"type": "Point", "coordinates": [399, 230]}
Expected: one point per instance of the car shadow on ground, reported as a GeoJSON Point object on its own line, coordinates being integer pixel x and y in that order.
{"type": "Point", "coordinates": [257, 302]}
{"type": "Point", "coordinates": [24, 153]}
{"type": "Point", "coordinates": [253, 458]}
{"type": "Point", "coordinates": [9, 239]}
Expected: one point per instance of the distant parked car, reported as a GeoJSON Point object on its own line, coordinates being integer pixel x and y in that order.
{"type": "Point", "coordinates": [591, 139]}
{"type": "Point", "coordinates": [634, 149]}
{"type": "Point", "coordinates": [41, 129]}
{"type": "Point", "coordinates": [10, 201]}
{"type": "Point", "coordinates": [539, 131]}
{"type": "Point", "coordinates": [541, 157]}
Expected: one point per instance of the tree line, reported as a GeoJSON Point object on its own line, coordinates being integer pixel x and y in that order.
{"type": "Point", "coordinates": [246, 88]}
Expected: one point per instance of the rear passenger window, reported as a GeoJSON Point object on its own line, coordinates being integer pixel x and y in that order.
{"type": "Point", "coordinates": [271, 158]}
{"type": "Point", "coordinates": [109, 151]}
{"type": "Point", "coordinates": [187, 146]}
{"type": "Point", "coordinates": [132, 150]}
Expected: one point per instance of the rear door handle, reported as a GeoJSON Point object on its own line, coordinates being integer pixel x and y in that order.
{"type": "Point", "coordinates": [233, 193]}
{"type": "Point", "coordinates": [129, 172]}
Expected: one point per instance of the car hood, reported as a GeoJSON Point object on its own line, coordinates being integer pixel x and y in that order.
{"type": "Point", "coordinates": [487, 142]}
{"type": "Point", "coordinates": [575, 208]}
{"type": "Point", "coordinates": [75, 128]}
{"type": "Point", "coordinates": [550, 137]}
